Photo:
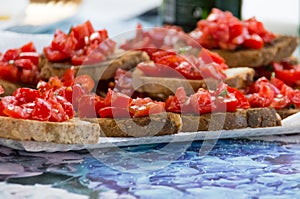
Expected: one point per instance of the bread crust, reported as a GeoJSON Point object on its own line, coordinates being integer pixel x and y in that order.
{"type": "Point", "coordinates": [242, 118]}
{"type": "Point", "coordinates": [74, 131]}
{"type": "Point", "coordinates": [282, 47]}
{"type": "Point", "coordinates": [102, 71]}
{"type": "Point", "coordinates": [165, 123]}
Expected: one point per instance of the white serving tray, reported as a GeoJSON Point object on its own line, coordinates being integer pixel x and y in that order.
{"type": "Point", "coordinates": [290, 125]}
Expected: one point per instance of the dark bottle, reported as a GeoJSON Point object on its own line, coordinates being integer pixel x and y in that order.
{"type": "Point", "coordinates": [186, 13]}
{"type": "Point", "coordinates": [234, 6]}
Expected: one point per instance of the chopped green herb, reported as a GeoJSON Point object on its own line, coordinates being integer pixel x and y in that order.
{"type": "Point", "coordinates": [184, 50]}
{"type": "Point", "coordinates": [224, 92]}
{"type": "Point", "coordinates": [273, 75]}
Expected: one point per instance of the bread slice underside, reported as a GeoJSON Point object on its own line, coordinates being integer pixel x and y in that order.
{"type": "Point", "coordinates": [74, 131]}
{"type": "Point", "coordinates": [242, 118]}
{"type": "Point", "coordinates": [282, 47]}
{"type": "Point", "coordinates": [102, 71]}
{"type": "Point", "coordinates": [165, 123]}
{"type": "Point", "coordinates": [162, 87]}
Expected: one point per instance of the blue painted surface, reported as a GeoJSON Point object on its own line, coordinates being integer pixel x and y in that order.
{"type": "Point", "coordinates": [232, 169]}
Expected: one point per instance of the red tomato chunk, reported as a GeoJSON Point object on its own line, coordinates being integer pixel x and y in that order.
{"type": "Point", "coordinates": [20, 65]}
{"type": "Point", "coordinates": [81, 46]}
{"type": "Point", "coordinates": [223, 30]}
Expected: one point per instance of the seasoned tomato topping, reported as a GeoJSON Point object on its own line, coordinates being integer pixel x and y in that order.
{"type": "Point", "coordinates": [20, 65]}
{"type": "Point", "coordinates": [225, 31]}
{"type": "Point", "coordinates": [274, 93]}
{"type": "Point", "coordinates": [82, 45]}
{"type": "Point", "coordinates": [224, 99]}
{"type": "Point", "coordinates": [171, 64]}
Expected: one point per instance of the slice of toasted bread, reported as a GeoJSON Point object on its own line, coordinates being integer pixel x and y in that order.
{"type": "Point", "coordinates": [8, 87]}
{"type": "Point", "coordinates": [285, 112]}
{"type": "Point", "coordinates": [74, 131]}
{"type": "Point", "coordinates": [154, 125]}
{"type": "Point", "coordinates": [162, 87]}
{"type": "Point", "coordinates": [282, 47]}
{"type": "Point", "coordinates": [243, 118]}
{"type": "Point", "coordinates": [103, 71]}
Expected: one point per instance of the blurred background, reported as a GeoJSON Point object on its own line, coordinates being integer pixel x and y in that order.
{"type": "Point", "coordinates": [44, 16]}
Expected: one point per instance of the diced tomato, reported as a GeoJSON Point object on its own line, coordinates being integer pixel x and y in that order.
{"type": "Point", "coordinates": [212, 70]}
{"type": "Point", "coordinates": [11, 54]}
{"type": "Point", "coordinates": [64, 43]}
{"type": "Point", "coordinates": [75, 94]}
{"type": "Point", "coordinates": [87, 106]}
{"type": "Point", "coordinates": [168, 64]}
{"type": "Point", "coordinates": [180, 103]}
{"type": "Point", "coordinates": [277, 82]}
{"type": "Point", "coordinates": [93, 57]}
{"type": "Point", "coordinates": [99, 103]}
{"type": "Point", "coordinates": [1, 109]}
{"type": "Point", "coordinates": [158, 54]}
{"type": "Point", "coordinates": [57, 111]}
{"type": "Point", "coordinates": [54, 82]}
{"type": "Point", "coordinates": [173, 105]}
{"type": "Point", "coordinates": [116, 99]}
{"type": "Point", "coordinates": [157, 70]}
{"type": "Point", "coordinates": [81, 31]}
{"type": "Point", "coordinates": [29, 47]}
{"type": "Point", "coordinates": [11, 108]}
{"type": "Point", "coordinates": [223, 30]}
{"type": "Point", "coordinates": [20, 65]}
{"type": "Point", "coordinates": [208, 56]}
{"type": "Point", "coordinates": [32, 56]}
{"type": "Point", "coordinates": [253, 41]}
{"type": "Point", "coordinates": [98, 36]}
{"type": "Point", "coordinates": [280, 102]}
{"type": "Point", "coordinates": [78, 59]}
{"type": "Point", "coordinates": [202, 102]}
{"type": "Point", "coordinates": [47, 103]}
{"type": "Point", "coordinates": [170, 60]}
{"type": "Point", "coordinates": [67, 106]}
{"type": "Point", "coordinates": [113, 112]}
{"type": "Point", "coordinates": [294, 96]}
{"type": "Point", "coordinates": [68, 77]}
{"type": "Point", "coordinates": [41, 110]}
{"type": "Point", "coordinates": [25, 64]}
{"type": "Point", "coordinates": [7, 100]}
{"type": "Point", "coordinates": [141, 107]}
{"type": "Point", "coordinates": [263, 98]}
{"type": "Point", "coordinates": [107, 47]}
{"type": "Point", "coordinates": [236, 29]}
{"type": "Point", "coordinates": [55, 55]}
{"type": "Point", "coordinates": [289, 74]}
{"type": "Point", "coordinates": [81, 46]}
{"type": "Point", "coordinates": [225, 101]}
{"type": "Point", "coordinates": [123, 82]}
{"type": "Point", "coordinates": [147, 109]}
{"type": "Point", "coordinates": [9, 72]}
{"type": "Point", "coordinates": [17, 112]}
{"type": "Point", "coordinates": [242, 100]}
{"type": "Point", "coordinates": [26, 95]}
{"type": "Point", "coordinates": [85, 81]}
